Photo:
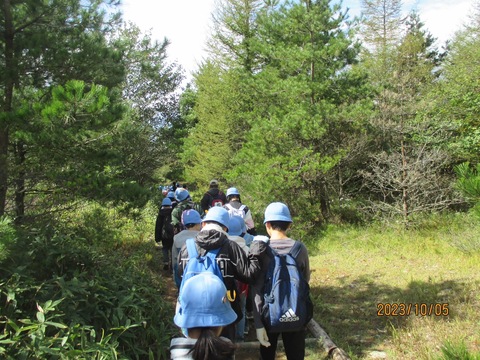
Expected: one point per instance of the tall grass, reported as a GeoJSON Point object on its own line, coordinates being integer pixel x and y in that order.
{"type": "Point", "coordinates": [359, 274]}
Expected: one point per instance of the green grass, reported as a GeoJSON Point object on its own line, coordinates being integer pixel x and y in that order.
{"type": "Point", "coordinates": [356, 269]}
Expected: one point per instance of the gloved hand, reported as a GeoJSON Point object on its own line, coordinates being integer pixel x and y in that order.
{"type": "Point", "coordinates": [262, 337]}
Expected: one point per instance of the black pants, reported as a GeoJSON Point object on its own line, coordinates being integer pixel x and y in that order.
{"type": "Point", "coordinates": [293, 342]}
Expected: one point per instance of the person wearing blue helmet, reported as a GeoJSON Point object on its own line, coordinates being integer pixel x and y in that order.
{"type": "Point", "coordinates": [235, 207]}
{"type": "Point", "coordinates": [234, 263]}
{"type": "Point", "coordinates": [164, 232]}
{"type": "Point", "coordinates": [277, 222]}
{"type": "Point", "coordinates": [184, 202]}
{"type": "Point", "coordinates": [203, 310]}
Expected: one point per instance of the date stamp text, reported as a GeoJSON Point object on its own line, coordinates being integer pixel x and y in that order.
{"type": "Point", "coordinates": [417, 309]}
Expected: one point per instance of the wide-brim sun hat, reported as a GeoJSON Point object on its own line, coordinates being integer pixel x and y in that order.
{"type": "Point", "coordinates": [219, 215]}
{"type": "Point", "coordinates": [191, 216]}
{"type": "Point", "coordinates": [181, 194]}
{"type": "Point", "coordinates": [235, 226]}
{"type": "Point", "coordinates": [203, 303]}
{"type": "Point", "coordinates": [232, 191]}
{"type": "Point", "coordinates": [277, 211]}
{"type": "Point", "coordinates": [166, 202]}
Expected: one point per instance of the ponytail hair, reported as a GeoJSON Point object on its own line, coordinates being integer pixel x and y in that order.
{"type": "Point", "coordinates": [211, 347]}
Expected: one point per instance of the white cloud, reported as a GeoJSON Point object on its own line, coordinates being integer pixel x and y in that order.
{"type": "Point", "coordinates": [443, 18]}
{"type": "Point", "coordinates": [186, 22]}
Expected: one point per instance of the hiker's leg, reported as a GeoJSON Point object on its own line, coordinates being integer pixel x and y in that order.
{"type": "Point", "coordinates": [294, 344]}
{"type": "Point", "coordinates": [229, 332]}
{"type": "Point", "coordinates": [268, 353]}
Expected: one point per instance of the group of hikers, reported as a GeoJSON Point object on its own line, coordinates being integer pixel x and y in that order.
{"type": "Point", "coordinates": [225, 273]}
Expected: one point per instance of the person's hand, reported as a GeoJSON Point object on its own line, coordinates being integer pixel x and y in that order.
{"type": "Point", "coordinates": [262, 337]}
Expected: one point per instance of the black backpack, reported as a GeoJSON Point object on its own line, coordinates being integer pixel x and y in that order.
{"type": "Point", "coordinates": [215, 200]}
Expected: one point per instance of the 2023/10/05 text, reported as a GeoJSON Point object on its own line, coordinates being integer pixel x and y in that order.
{"type": "Point", "coordinates": [417, 309]}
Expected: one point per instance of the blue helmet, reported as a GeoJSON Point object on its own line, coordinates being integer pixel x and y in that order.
{"type": "Point", "coordinates": [235, 226]}
{"type": "Point", "coordinates": [219, 215]}
{"type": "Point", "coordinates": [191, 216]}
{"type": "Point", "coordinates": [171, 195]}
{"type": "Point", "coordinates": [166, 202]}
{"type": "Point", "coordinates": [203, 303]}
{"type": "Point", "coordinates": [277, 211]}
{"type": "Point", "coordinates": [181, 194]}
{"type": "Point", "coordinates": [232, 191]}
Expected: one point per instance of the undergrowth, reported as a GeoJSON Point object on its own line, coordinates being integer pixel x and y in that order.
{"type": "Point", "coordinates": [66, 296]}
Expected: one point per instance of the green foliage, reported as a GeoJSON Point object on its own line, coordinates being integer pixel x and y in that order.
{"type": "Point", "coordinates": [457, 97]}
{"type": "Point", "coordinates": [302, 99]}
{"type": "Point", "coordinates": [64, 299]}
{"type": "Point", "coordinates": [454, 351]}
{"type": "Point", "coordinates": [7, 236]}
{"type": "Point", "coordinates": [468, 181]}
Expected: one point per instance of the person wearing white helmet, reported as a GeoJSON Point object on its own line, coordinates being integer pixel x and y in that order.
{"type": "Point", "coordinates": [202, 311]}
{"type": "Point", "coordinates": [164, 232]}
{"type": "Point", "coordinates": [192, 223]}
{"type": "Point", "coordinates": [235, 207]}
{"type": "Point", "coordinates": [185, 202]}
{"type": "Point", "coordinates": [234, 263]}
{"type": "Point", "coordinates": [277, 223]}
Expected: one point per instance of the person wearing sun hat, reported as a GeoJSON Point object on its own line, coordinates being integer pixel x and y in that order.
{"type": "Point", "coordinates": [202, 311]}
{"type": "Point", "coordinates": [184, 202]}
{"type": "Point", "coordinates": [164, 232]}
{"type": "Point", "coordinates": [236, 265]}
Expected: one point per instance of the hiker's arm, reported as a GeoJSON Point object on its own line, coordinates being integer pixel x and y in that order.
{"type": "Point", "coordinates": [204, 203]}
{"type": "Point", "coordinates": [249, 220]}
{"type": "Point", "coordinates": [175, 217]}
{"type": "Point", "coordinates": [257, 298]}
{"type": "Point", "coordinates": [247, 266]}
{"type": "Point", "coordinates": [182, 259]}
{"type": "Point", "coordinates": [304, 263]}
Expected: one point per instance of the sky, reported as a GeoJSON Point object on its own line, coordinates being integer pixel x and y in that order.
{"type": "Point", "coordinates": [186, 23]}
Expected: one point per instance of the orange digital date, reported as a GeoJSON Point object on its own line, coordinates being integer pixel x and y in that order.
{"type": "Point", "coordinates": [417, 309]}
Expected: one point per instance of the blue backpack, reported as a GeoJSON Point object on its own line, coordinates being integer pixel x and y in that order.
{"type": "Point", "coordinates": [287, 304]}
{"type": "Point", "coordinates": [198, 264]}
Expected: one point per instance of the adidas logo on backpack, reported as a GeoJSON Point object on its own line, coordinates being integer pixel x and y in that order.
{"type": "Point", "coordinates": [289, 316]}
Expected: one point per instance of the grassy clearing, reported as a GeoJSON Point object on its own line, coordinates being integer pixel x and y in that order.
{"type": "Point", "coordinates": [354, 270]}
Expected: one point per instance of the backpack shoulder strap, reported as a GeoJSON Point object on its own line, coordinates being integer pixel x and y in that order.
{"type": "Point", "coordinates": [295, 250]}
{"type": "Point", "coordinates": [191, 248]}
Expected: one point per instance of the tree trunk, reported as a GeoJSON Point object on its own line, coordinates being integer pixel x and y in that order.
{"type": "Point", "coordinates": [8, 35]}
{"type": "Point", "coordinates": [20, 154]}
{"type": "Point", "coordinates": [405, 186]}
